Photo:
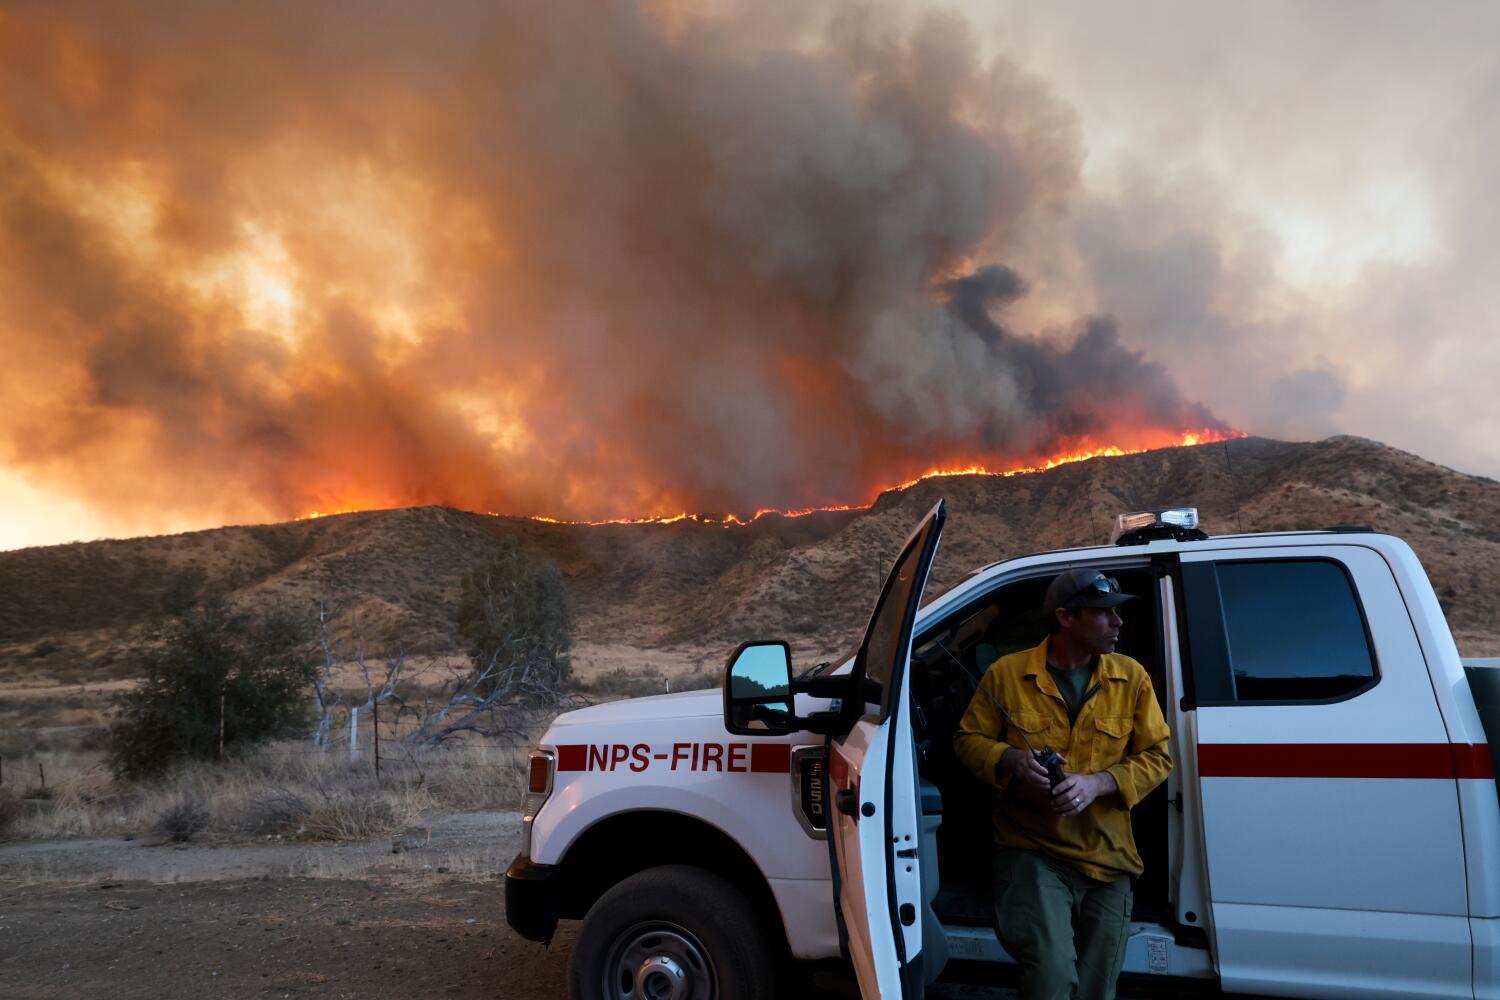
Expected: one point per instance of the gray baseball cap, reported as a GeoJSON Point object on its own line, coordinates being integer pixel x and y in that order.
{"type": "Point", "coordinates": [1085, 588]}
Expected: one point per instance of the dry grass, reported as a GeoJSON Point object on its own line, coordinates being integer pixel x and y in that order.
{"type": "Point", "coordinates": [345, 816]}
{"type": "Point", "coordinates": [648, 679]}
{"type": "Point", "coordinates": [50, 707]}
{"type": "Point", "coordinates": [10, 810]}
{"type": "Point", "coordinates": [182, 817]}
{"type": "Point", "coordinates": [281, 790]}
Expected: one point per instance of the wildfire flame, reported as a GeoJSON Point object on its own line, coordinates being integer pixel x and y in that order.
{"type": "Point", "coordinates": [315, 514]}
{"type": "Point", "coordinates": [1186, 440]}
{"type": "Point", "coordinates": [1110, 451]}
{"type": "Point", "coordinates": [728, 520]}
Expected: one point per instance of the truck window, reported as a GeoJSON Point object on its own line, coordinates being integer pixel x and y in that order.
{"type": "Point", "coordinates": [1294, 629]}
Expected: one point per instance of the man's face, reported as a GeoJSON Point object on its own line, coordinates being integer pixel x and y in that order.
{"type": "Point", "coordinates": [1094, 629]}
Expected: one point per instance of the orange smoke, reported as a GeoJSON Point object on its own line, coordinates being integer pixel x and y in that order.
{"type": "Point", "coordinates": [260, 260]}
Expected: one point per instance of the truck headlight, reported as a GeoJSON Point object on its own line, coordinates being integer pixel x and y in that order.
{"type": "Point", "coordinates": [541, 766]}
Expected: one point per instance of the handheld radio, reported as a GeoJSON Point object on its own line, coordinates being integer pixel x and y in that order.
{"type": "Point", "coordinates": [1046, 756]}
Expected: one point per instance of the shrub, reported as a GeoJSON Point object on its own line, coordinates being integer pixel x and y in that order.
{"type": "Point", "coordinates": [43, 649]}
{"type": "Point", "coordinates": [183, 816]}
{"type": "Point", "coordinates": [350, 817]}
{"type": "Point", "coordinates": [211, 670]}
{"type": "Point", "coordinates": [342, 816]}
{"type": "Point", "coordinates": [515, 618]}
{"type": "Point", "coordinates": [10, 811]}
{"type": "Point", "coordinates": [183, 591]}
{"type": "Point", "coordinates": [16, 742]}
{"type": "Point", "coordinates": [278, 811]}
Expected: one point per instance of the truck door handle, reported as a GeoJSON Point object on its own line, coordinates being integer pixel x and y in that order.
{"type": "Point", "coordinates": [846, 799]}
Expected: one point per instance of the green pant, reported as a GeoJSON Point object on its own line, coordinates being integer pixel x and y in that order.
{"type": "Point", "coordinates": [1066, 930]}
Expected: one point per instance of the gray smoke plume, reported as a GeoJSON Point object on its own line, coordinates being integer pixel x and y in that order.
{"type": "Point", "coordinates": [582, 259]}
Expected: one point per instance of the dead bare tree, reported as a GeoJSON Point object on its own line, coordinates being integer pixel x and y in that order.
{"type": "Point", "coordinates": [520, 629]}
{"type": "Point", "coordinates": [327, 698]}
{"type": "Point", "coordinates": [494, 701]}
{"type": "Point", "coordinates": [516, 620]}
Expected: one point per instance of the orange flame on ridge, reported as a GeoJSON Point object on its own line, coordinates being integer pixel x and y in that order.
{"type": "Point", "coordinates": [315, 514]}
{"type": "Point", "coordinates": [1186, 440]}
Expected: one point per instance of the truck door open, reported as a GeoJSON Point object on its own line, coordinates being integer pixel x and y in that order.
{"type": "Point", "coordinates": [875, 828]}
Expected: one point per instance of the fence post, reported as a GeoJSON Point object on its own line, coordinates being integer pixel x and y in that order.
{"type": "Point", "coordinates": [353, 734]}
{"type": "Point", "coordinates": [375, 725]}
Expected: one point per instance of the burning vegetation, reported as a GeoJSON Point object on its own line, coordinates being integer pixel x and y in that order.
{"type": "Point", "coordinates": [1062, 458]}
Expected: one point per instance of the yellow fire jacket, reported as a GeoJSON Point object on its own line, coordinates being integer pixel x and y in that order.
{"type": "Point", "coordinates": [1119, 730]}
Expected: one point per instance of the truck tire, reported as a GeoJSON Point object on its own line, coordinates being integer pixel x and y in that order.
{"type": "Point", "coordinates": [672, 933]}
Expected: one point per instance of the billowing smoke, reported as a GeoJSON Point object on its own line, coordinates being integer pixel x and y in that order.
{"type": "Point", "coordinates": [579, 259]}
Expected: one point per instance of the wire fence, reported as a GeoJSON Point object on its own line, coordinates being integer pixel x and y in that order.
{"type": "Point", "coordinates": [352, 737]}
{"type": "Point", "coordinates": [361, 732]}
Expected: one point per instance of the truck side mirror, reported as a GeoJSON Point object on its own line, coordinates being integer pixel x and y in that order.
{"type": "Point", "coordinates": [758, 690]}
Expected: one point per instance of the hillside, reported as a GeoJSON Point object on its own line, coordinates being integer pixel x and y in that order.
{"type": "Point", "coordinates": [688, 592]}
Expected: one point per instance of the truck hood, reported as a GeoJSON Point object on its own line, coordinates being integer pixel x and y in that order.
{"type": "Point", "coordinates": [682, 705]}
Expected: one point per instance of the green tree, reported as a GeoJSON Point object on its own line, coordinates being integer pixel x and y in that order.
{"type": "Point", "coordinates": [211, 670]}
{"type": "Point", "coordinates": [515, 617]}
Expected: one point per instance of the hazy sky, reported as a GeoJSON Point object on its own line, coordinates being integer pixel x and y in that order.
{"type": "Point", "coordinates": [612, 259]}
{"type": "Point", "coordinates": [1296, 201]}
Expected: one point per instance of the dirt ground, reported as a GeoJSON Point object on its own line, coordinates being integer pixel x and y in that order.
{"type": "Point", "coordinates": [270, 937]}
{"type": "Point", "coordinates": [415, 917]}
{"type": "Point", "coordinates": [422, 915]}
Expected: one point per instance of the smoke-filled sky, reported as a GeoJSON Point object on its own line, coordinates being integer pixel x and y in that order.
{"type": "Point", "coordinates": [606, 259]}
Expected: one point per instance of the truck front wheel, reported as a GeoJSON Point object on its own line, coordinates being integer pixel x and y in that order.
{"type": "Point", "coordinates": [672, 933]}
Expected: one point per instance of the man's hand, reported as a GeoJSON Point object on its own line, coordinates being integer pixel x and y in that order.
{"type": "Point", "coordinates": [1077, 792]}
{"type": "Point", "coordinates": [1023, 767]}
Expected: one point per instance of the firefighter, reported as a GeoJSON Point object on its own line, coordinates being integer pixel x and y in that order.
{"type": "Point", "coordinates": [1065, 854]}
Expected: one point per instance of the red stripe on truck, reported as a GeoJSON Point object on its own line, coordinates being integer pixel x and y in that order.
{"type": "Point", "coordinates": [771, 757]}
{"type": "Point", "coordinates": [571, 757]}
{"type": "Point", "coordinates": [1344, 760]}
{"type": "Point", "coordinates": [1470, 761]}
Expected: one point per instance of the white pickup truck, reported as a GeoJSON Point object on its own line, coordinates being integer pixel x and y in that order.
{"type": "Point", "coordinates": [1330, 827]}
